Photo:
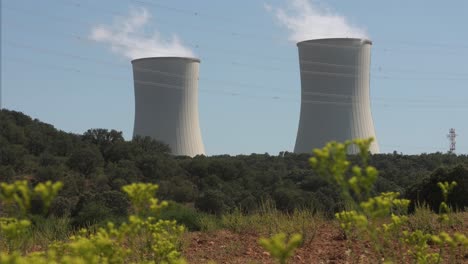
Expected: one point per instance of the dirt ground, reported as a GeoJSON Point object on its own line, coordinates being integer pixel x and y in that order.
{"type": "Point", "coordinates": [328, 246]}
{"type": "Point", "coordinates": [228, 247]}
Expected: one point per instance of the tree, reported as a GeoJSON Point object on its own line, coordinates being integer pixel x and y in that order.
{"type": "Point", "coordinates": [212, 201]}
{"type": "Point", "coordinates": [150, 145]}
{"type": "Point", "coordinates": [13, 155]}
{"type": "Point", "coordinates": [428, 192]}
{"type": "Point", "coordinates": [85, 160]}
{"type": "Point", "coordinates": [102, 137]}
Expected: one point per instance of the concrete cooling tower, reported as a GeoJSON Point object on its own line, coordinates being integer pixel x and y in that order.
{"type": "Point", "coordinates": [335, 103]}
{"type": "Point", "coordinates": [166, 102]}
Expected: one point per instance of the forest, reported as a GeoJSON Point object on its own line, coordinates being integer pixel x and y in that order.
{"type": "Point", "coordinates": [98, 198]}
{"type": "Point", "coordinates": [96, 164]}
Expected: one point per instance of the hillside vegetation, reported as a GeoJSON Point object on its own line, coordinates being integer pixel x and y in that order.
{"type": "Point", "coordinates": [90, 198]}
{"type": "Point", "coordinates": [96, 164]}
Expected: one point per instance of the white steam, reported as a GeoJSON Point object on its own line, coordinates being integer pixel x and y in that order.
{"type": "Point", "coordinates": [127, 37]}
{"type": "Point", "coordinates": [306, 20]}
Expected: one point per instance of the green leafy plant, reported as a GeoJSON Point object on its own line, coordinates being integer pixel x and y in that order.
{"type": "Point", "coordinates": [279, 247]}
{"type": "Point", "coordinates": [142, 239]}
{"type": "Point", "coordinates": [382, 218]}
{"type": "Point", "coordinates": [444, 209]}
{"type": "Point", "coordinates": [18, 195]}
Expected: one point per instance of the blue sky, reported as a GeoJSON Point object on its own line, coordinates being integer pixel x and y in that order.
{"type": "Point", "coordinates": [249, 96]}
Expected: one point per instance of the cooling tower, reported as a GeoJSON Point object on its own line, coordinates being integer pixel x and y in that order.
{"type": "Point", "coordinates": [335, 103]}
{"type": "Point", "coordinates": [166, 102]}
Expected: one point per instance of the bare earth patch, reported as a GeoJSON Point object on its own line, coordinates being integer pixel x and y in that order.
{"type": "Point", "coordinates": [328, 246]}
{"type": "Point", "coordinates": [227, 247]}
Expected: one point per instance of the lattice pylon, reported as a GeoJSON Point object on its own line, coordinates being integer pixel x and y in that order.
{"type": "Point", "coordinates": [452, 138]}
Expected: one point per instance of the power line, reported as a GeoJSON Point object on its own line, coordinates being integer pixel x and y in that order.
{"type": "Point", "coordinates": [236, 34]}
{"type": "Point", "coordinates": [184, 11]}
{"type": "Point", "coordinates": [438, 149]}
{"type": "Point", "coordinates": [259, 67]}
{"type": "Point", "coordinates": [386, 77]}
{"type": "Point", "coordinates": [155, 84]}
{"type": "Point", "coordinates": [231, 93]}
{"type": "Point", "coordinates": [74, 56]}
{"type": "Point", "coordinates": [85, 39]}
{"type": "Point", "coordinates": [412, 71]}
{"type": "Point", "coordinates": [213, 17]}
{"type": "Point", "coordinates": [431, 148]}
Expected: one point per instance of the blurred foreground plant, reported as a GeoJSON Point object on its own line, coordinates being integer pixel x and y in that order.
{"type": "Point", "coordinates": [382, 218]}
{"type": "Point", "coordinates": [143, 239]}
{"type": "Point", "coordinates": [279, 247]}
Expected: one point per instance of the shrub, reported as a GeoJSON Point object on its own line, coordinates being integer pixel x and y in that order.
{"type": "Point", "coordinates": [184, 215]}
{"type": "Point", "coordinates": [85, 160]}
{"type": "Point", "coordinates": [281, 248]}
{"type": "Point", "coordinates": [423, 219]}
{"type": "Point", "coordinates": [428, 192]}
{"type": "Point", "coordinates": [367, 215]}
{"type": "Point", "coordinates": [142, 239]}
{"type": "Point", "coordinates": [212, 201]}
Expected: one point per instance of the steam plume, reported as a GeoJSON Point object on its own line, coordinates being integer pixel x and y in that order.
{"type": "Point", "coordinates": [126, 37]}
{"type": "Point", "coordinates": [306, 20]}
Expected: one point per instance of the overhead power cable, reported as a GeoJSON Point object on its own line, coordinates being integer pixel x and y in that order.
{"type": "Point", "coordinates": [433, 148]}
{"type": "Point", "coordinates": [230, 93]}
{"type": "Point", "coordinates": [197, 13]}
{"type": "Point", "coordinates": [94, 60]}
{"type": "Point", "coordinates": [185, 25]}
{"type": "Point", "coordinates": [250, 55]}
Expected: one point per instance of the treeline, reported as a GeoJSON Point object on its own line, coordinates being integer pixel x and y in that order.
{"type": "Point", "coordinates": [95, 165]}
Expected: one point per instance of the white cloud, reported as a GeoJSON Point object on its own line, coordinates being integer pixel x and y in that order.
{"type": "Point", "coordinates": [127, 37]}
{"type": "Point", "coordinates": [307, 20]}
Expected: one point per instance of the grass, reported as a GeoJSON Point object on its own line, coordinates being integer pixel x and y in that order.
{"type": "Point", "coordinates": [266, 222]}
{"type": "Point", "coordinates": [384, 228]}
{"type": "Point", "coordinates": [424, 219]}
{"type": "Point", "coordinates": [323, 241]}
{"type": "Point", "coordinates": [50, 229]}
{"type": "Point", "coordinates": [43, 233]}
{"type": "Point", "coordinates": [263, 223]}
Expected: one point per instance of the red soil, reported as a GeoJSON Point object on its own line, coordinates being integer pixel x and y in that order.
{"type": "Point", "coordinates": [328, 246]}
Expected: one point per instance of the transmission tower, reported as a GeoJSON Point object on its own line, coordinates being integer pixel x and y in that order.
{"type": "Point", "coordinates": [452, 136]}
